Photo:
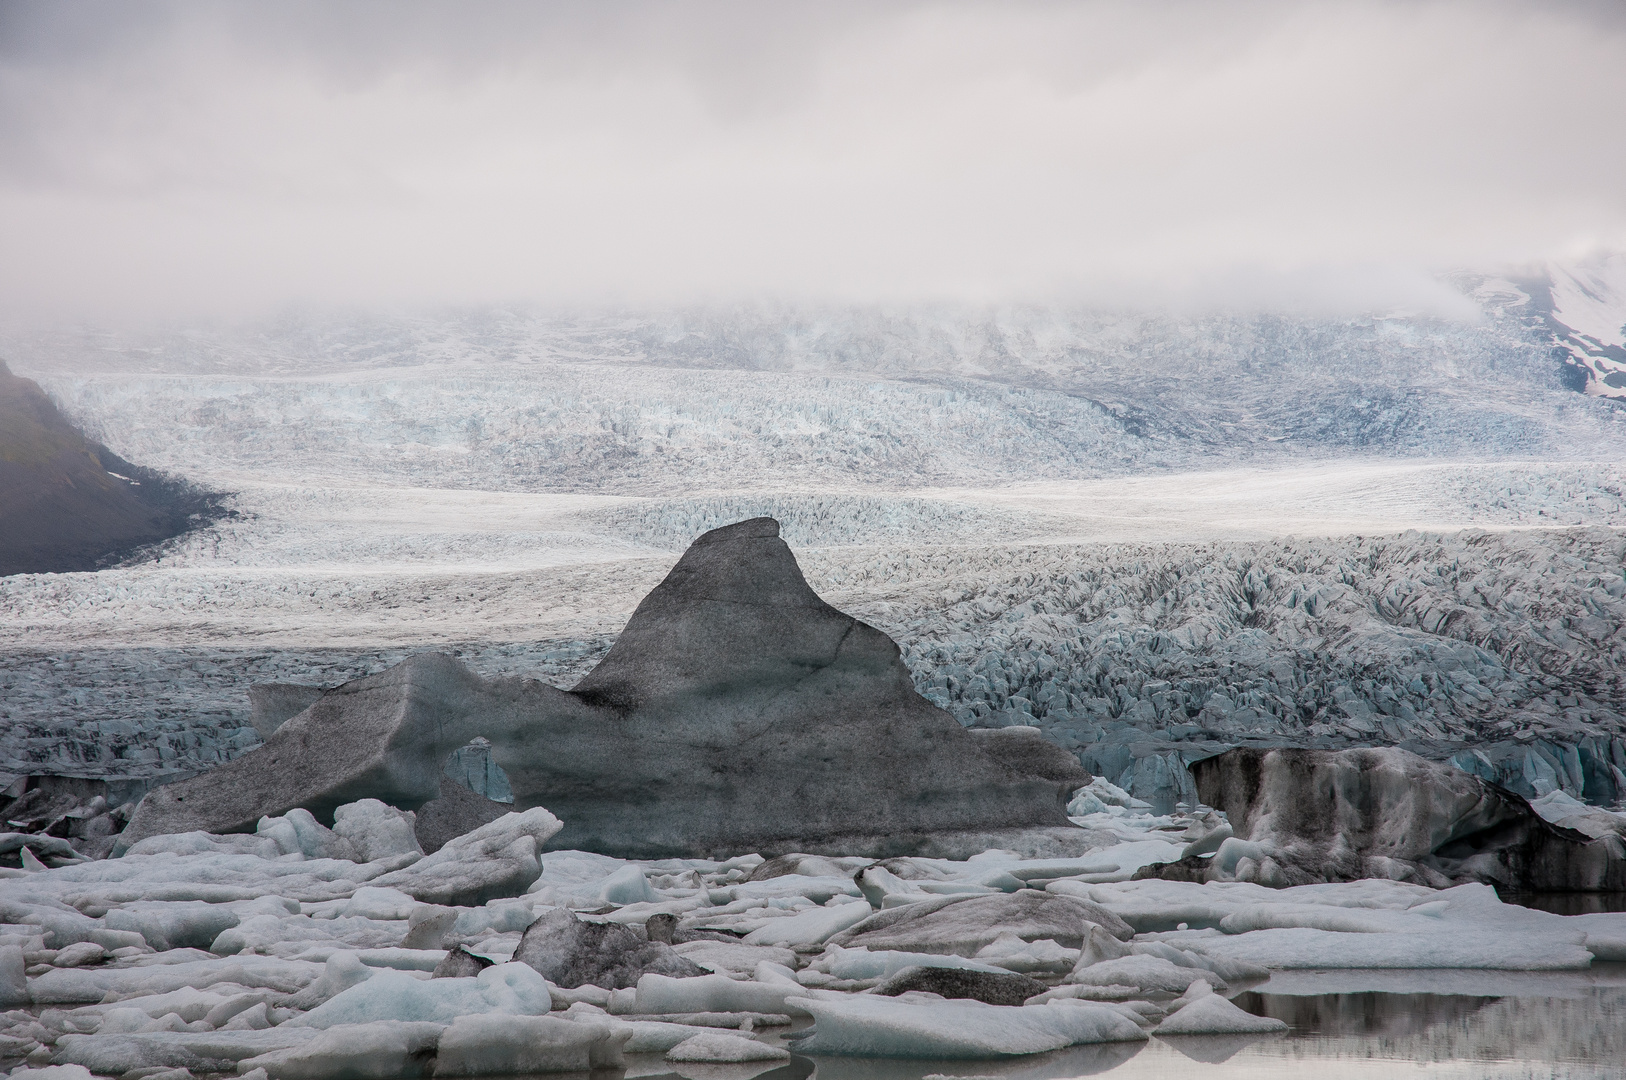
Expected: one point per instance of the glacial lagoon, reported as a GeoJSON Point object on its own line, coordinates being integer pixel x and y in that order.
{"type": "Point", "coordinates": [1444, 1025]}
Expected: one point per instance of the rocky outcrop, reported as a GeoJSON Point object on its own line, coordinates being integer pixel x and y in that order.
{"type": "Point", "coordinates": [736, 712]}
{"type": "Point", "coordinates": [67, 503]}
{"type": "Point", "coordinates": [1303, 816]}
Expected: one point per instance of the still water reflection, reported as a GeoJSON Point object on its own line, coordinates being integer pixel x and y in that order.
{"type": "Point", "coordinates": [1448, 1025]}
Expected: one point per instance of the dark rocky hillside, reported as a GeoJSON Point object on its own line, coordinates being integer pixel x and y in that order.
{"type": "Point", "coordinates": [67, 503]}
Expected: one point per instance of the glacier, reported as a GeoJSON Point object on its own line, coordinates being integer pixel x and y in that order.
{"type": "Point", "coordinates": [1500, 648]}
{"type": "Point", "coordinates": [1150, 536]}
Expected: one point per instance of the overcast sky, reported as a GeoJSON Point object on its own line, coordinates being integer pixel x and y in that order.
{"type": "Point", "coordinates": [182, 159]}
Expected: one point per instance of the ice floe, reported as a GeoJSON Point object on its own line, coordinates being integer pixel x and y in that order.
{"type": "Point", "coordinates": [117, 971]}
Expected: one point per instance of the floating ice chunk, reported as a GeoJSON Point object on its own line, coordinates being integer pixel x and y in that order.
{"type": "Point", "coordinates": [514, 989]}
{"type": "Point", "coordinates": [53, 1072]}
{"type": "Point", "coordinates": [202, 843]}
{"type": "Point", "coordinates": [576, 870]}
{"type": "Point", "coordinates": [258, 933]}
{"type": "Point", "coordinates": [716, 1046]}
{"type": "Point", "coordinates": [966, 925]}
{"type": "Point", "coordinates": [61, 924]}
{"type": "Point", "coordinates": [657, 1037]}
{"type": "Point", "coordinates": [878, 884]}
{"type": "Point", "coordinates": [1452, 947]}
{"type": "Point", "coordinates": [316, 840]}
{"type": "Point", "coordinates": [1098, 946]}
{"type": "Point", "coordinates": [767, 971]}
{"type": "Point", "coordinates": [254, 1018]}
{"type": "Point", "coordinates": [343, 970]}
{"type": "Point", "coordinates": [123, 1021]}
{"type": "Point", "coordinates": [29, 861]}
{"type": "Point", "coordinates": [1122, 858]}
{"type": "Point", "coordinates": [626, 886]}
{"type": "Point", "coordinates": [61, 986]}
{"type": "Point", "coordinates": [1147, 973]}
{"type": "Point", "coordinates": [573, 952]}
{"type": "Point", "coordinates": [1013, 954]}
{"type": "Point", "coordinates": [298, 831]}
{"type": "Point", "coordinates": [1592, 821]}
{"type": "Point", "coordinates": [280, 831]}
{"type": "Point", "coordinates": [53, 848]}
{"type": "Point", "coordinates": [216, 878]}
{"type": "Point", "coordinates": [861, 964]}
{"type": "Point", "coordinates": [712, 993]}
{"type": "Point", "coordinates": [13, 976]}
{"type": "Point", "coordinates": [810, 927]}
{"type": "Point", "coordinates": [175, 924]}
{"type": "Point", "coordinates": [187, 1003]}
{"type": "Point", "coordinates": [804, 865]}
{"type": "Point", "coordinates": [1605, 934]}
{"type": "Point", "coordinates": [1099, 795]}
{"type": "Point", "coordinates": [168, 1022]}
{"type": "Point", "coordinates": [1004, 988]}
{"type": "Point", "coordinates": [502, 916]}
{"type": "Point", "coordinates": [373, 902]}
{"type": "Point", "coordinates": [499, 859]}
{"type": "Point", "coordinates": [721, 956]}
{"type": "Point", "coordinates": [1327, 917]}
{"type": "Point", "coordinates": [376, 830]}
{"type": "Point", "coordinates": [232, 1007]}
{"type": "Point", "coordinates": [1084, 803]}
{"type": "Point", "coordinates": [934, 1028]}
{"type": "Point", "coordinates": [1247, 860]}
{"type": "Point", "coordinates": [428, 926]}
{"type": "Point", "coordinates": [518, 1045]}
{"type": "Point", "coordinates": [1114, 993]}
{"type": "Point", "coordinates": [1223, 970]}
{"type": "Point", "coordinates": [818, 890]}
{"type": "Point", "coordinates": [382, 1050]}
{"type": "Point", "coordinates": [114, 1055]}
{"type": "Point", "coordinates": [1206, 1013]}
{"type": "Point", "coordinates": [1118, 862]}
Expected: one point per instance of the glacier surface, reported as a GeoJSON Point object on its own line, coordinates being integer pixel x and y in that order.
{"type": "Point", "coordinates": [1149, 536]}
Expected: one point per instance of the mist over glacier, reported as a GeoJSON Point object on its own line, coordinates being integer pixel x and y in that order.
{"type": "Point", "coordinates": [1151, 535]}
{"type": "Point", "coordinates": [814, 398]}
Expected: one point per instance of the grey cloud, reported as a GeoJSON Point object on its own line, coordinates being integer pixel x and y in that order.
{"type": "Point", "coordinates": [194, 157]}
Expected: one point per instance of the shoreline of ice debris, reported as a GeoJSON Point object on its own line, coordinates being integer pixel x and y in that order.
{"type": "Point", "coordinates": [238, 953]}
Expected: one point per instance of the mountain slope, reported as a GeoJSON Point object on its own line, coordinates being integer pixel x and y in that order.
{"type": "Point", "coordinates": [1581, 308]}
{"type": "Point", "coordinates": [67, 503]}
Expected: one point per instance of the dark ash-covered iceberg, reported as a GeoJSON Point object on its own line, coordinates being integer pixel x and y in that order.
{"type": "Point", "coordinates": [736, 712]}
{"type": "Point", "coordinates": [1303, 816]}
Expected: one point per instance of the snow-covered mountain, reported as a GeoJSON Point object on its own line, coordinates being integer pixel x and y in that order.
{"type": "Point", "coordinates": [1582, 307]}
